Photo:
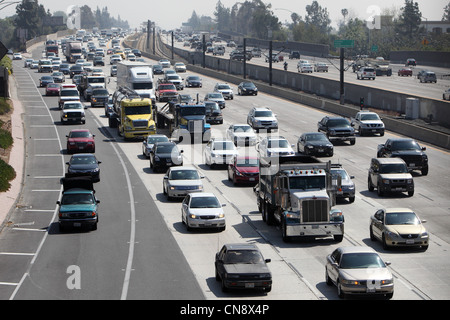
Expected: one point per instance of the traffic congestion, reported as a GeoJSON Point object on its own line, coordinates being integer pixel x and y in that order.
{"type": "Point", "coordinates": [264, 198]}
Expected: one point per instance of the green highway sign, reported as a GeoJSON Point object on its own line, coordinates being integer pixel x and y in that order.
{"type": "Point", "coordinates": [344, 43]}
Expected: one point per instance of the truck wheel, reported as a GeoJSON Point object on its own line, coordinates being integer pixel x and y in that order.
{"type": "Point", "coordinates": [284, 235]}
{"type": "Point", "coordinates": [338, 237]}
{"type": "Point", "coordinates": [424, 171]}
{"type": "Point", "coordinates": [410, 193]}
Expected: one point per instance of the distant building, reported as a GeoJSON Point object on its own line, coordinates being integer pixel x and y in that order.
{"type": "Point", "coordinates": [437, 27]}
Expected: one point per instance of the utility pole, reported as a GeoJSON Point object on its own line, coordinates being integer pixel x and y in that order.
{"type": "Point", "coordinates": [149, 25]}
{"type": "Point", "coordinates": [245, 58]}
{"type": "Point", "coordinates": [270, 63]}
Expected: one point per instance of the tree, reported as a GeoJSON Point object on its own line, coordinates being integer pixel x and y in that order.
{"type": "Point", "coordinates": [223, 17]}
{"type": "Point", "coordinates": [318, 17]}
{"type": "Point", "coordinates": [446, 15]}
{"type": "Point", "coordinates": [409, 20]}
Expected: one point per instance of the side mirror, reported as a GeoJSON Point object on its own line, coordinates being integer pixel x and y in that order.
{"type": "Point", "coordinates": [224, 204]}
{"type": "Point", "coordinates": [166, 178]}
{"type": "Point", "coordinates": [268, 260]}
{"type": "Point", "coordinates": [58, 202]}
{"type": "Point", "coordinates": [99, 162]}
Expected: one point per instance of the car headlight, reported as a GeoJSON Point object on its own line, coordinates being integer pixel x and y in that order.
{"type": "Point", "coordinates": [385, 181]}
{"type": "Point", "coordinates": [193, 216]}
{"type": "Point", "coordinates": [157, 158]}
{"type": "Point", "coordinates": [239, 173]}
{"type": "Point", "coordinates": [409, 181]}
{"type": "Point", "coordinates": [221, 215]}
{"type": "Point", "coordinates": [152, 127]}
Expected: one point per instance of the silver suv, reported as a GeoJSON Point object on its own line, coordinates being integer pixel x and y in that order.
{"type": "Point", "coordinates": [262, 118]}
{"type": "Point", "coordinates": [225, 89]}
{"type": "Point", "coordinates": [366, 72]}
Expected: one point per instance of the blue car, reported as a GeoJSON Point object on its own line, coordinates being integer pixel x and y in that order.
{"type": "Point", "coordinates": [78, 206]}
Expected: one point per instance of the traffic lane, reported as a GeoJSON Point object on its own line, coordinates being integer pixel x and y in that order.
{"type": "Point", "coordinates": [392, 83]}
{"type": "Point", "coordinates": [100, 281]}
{"type": "Point", "coordinates": [201, 258]}
{"type": "Point", "coordinates": [232, 112]}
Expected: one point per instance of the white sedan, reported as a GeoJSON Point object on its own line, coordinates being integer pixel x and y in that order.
{"type": "Point", "coordinates": [219, 151]}
{"type": "Point", "coordinates": [202, 210]}
{"type": "Point", "coordinates": [180, 181]}
{"type": "Point", "coordinates": [446, 94]}
{"type": "Point", "coordinates": [242, 134]}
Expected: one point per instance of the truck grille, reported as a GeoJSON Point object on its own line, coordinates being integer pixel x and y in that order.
{"type": "Point", "coordinates": [314, 211]}
{"type": "Point", "coordinates": [195, 126]}
{"type": "Point", "coordinates": [140, 123]}
{"type": "Point", "coordinates": [73, 114]}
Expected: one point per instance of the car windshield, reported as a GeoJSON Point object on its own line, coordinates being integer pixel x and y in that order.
{"type": "Point", "coordinates": [101, 92]}
{"type": "Point", "coordinates": [248, 85]}
{"type": "Point", "coordinates": [79, 198]}
{"type": "Point", "coordinates": [405, 145]}
{"type": "Point", "coordinates": [223, 87]}
{"type": "Point", "coordinates": [370, 116]}
{"type": "Point", "coordinates": [315, 137]}
{"type": "Point", "coordinates": [225, 145]}
{"type": "Point", "coordinates": [242, 129]}
{"type": "Point", "coordinates": [361, 260]}
{"type": "Point", "coordinates": [396, 218]}
{"type": "Point", "coordinates": [215, 96]}
{"type": "Point", "coordinates": [342, 173]}
{"type": "Point", "coordinates": [83, 160]}
{"type": "Point", "coordinates": [153, 140]}
{"type": "Point", "coordinates": [167, 87]}
{"type": "Point", "coordinates": [393, 168]}
{"type": "Point", "coordinates": [193, 78]}
{"type": "Point", "coordinates": [247, 163]}
{"type": "Point", "coordinates": [53, 85]}
{"type": "Point", "coordinates": [204, 202]}
{"type": "Point", "coordinates": [338, 123]}
{"type": "Point", "coordinates": [311, 182]}
{"type": "Point", "coordinates": [67, 93]}
{"type": "Point", "coordinates": [73, 106]}
{"type": "Point", "coordinates": [243, 256]}
{"type": "Point", "coordinates": [80, 134]}
{"type": "Point", "coordinates": [263, 113]}
{"type": "Point", "coordinates": [184, 175]}
{"type": "Point", "coordinates": [166, 149]}
{"type": "Point", "coordinates": [278, 144]}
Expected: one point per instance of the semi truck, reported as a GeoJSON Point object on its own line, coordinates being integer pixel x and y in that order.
{"type": "Point", "coordinates": [73, 51]}
{"type": "Point", "coordinates": [131, 114]}
{"type": "Point", "coordinates": [299, 193]}
{"type": "Point", "coordinates": [184, 121]}
{"type": "Point", "coordinates": [137, 76]}
{"type": "Point", "coordinates": [381, 66]}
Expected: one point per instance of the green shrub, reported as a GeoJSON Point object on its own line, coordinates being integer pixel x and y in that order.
{"type": "Point", "coordinates": [7, 173]}
{"type": "Point", "coordinates": [6, 139]}
{"type": "Point", "coordinates": [4, 106]}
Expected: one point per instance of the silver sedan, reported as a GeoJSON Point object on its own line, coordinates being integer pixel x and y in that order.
{"type": "Point", "coordinates": [179, 181]}
{"type": "Point", "coordinates": [358, 271]}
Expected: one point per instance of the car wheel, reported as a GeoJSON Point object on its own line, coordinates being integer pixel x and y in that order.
{"type": "Point", "coordinates": [328, 280]}
{"type": "Point", "coordinates": [369, 184]}
{"type": "Point", "coordinates": [379, 191]}
{"type": "Point", "coordinates": [217, 275]}
{"type": "Point", "coordinates": [268, 289]}
{"type": "Point", "coordinates": [372, 236]}
{"type": "Point", "coordinates": [224, 288]}
{"type": "Point", "coordinates": [383, 241]}
{"type": "Point", "coordinates": [424, 171]}
{"type": "Point", "coordinates": [339, 289]}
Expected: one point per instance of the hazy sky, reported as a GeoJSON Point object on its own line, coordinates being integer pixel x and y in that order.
{"type": "Point", "coordinates": [169, 14]}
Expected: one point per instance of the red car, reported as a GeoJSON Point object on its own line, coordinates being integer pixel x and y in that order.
{"type": "Point", "coordinates": [244, 169]}
{"type": "Point", "coordinates": [53, 89]}
{"type": "Point", "coordinates": [405, 72]}
{"type": "Point", "coordinates": [80, 140]}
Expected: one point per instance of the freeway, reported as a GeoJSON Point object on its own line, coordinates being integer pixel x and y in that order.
{"type": "Point", "coordinates": [408, 85]}
{"type": "Point", "coordinates": [184, 261]}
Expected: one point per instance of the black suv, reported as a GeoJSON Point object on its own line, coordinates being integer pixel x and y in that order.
{"type": "Point", "coordinates": [407, 149]}
{"type": "Point", "coordinates": [390, 175]}
{"type": "Point", "coordinates": [99, 97]}
{"type": "Point", "coordinates": [165, 154]}
{"type": "Point", "coordinates": [294, 55]}
{"type": "Point", "coordinates": [337, 128]}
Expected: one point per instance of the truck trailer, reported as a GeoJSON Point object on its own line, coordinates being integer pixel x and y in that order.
{"type": "Point", "coordinates": [298, 193]}
{"type": "Point", "coordinates": [137, 76]}
{"type": "Point", "coordinates": [73, 51]}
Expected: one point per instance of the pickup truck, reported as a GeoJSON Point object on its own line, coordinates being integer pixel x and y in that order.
{"type": "Point", "coordinates": [337, 128]}
{"type": "Point", "coordinates": [406, 149]}
{"type": "Point", "coordinates": [166, 92]}
{"type": "Point", "coordinates": [78, 206]}
{"type": "Point", "coordinates": [366, 122]}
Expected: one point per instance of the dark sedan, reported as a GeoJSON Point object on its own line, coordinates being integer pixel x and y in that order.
{"type": "Point", "coordinates": [242, 266]}
{"type": "Point", "coordinates": [64, 68]}
{"type": "Point", "coordinates": [157, 69]}
{"type": "Point", "coordinates": [315, 144]}
{"type": "Point", "coordinates": [45, 80]}
{"type": "Point", "coordinates": [84, 164]}
{"type": "Point", "coordinates": [165, 154]}
{"type": "Point", "coordinates": [75, 69]}
{"type": "Point", "coordinates": [247, 88]}
{"type": "Point", "coordinates": [193, 81]}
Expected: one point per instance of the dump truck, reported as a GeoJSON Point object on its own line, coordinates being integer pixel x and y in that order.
{"type": "Point", "coordinates": [299, 193]}
{"type": "Point", "coordinates": [131, 114]}
{"type": "Point", "coordinates": [381, 66]}
{"type": "Point", "coordinates": [184, 121]}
